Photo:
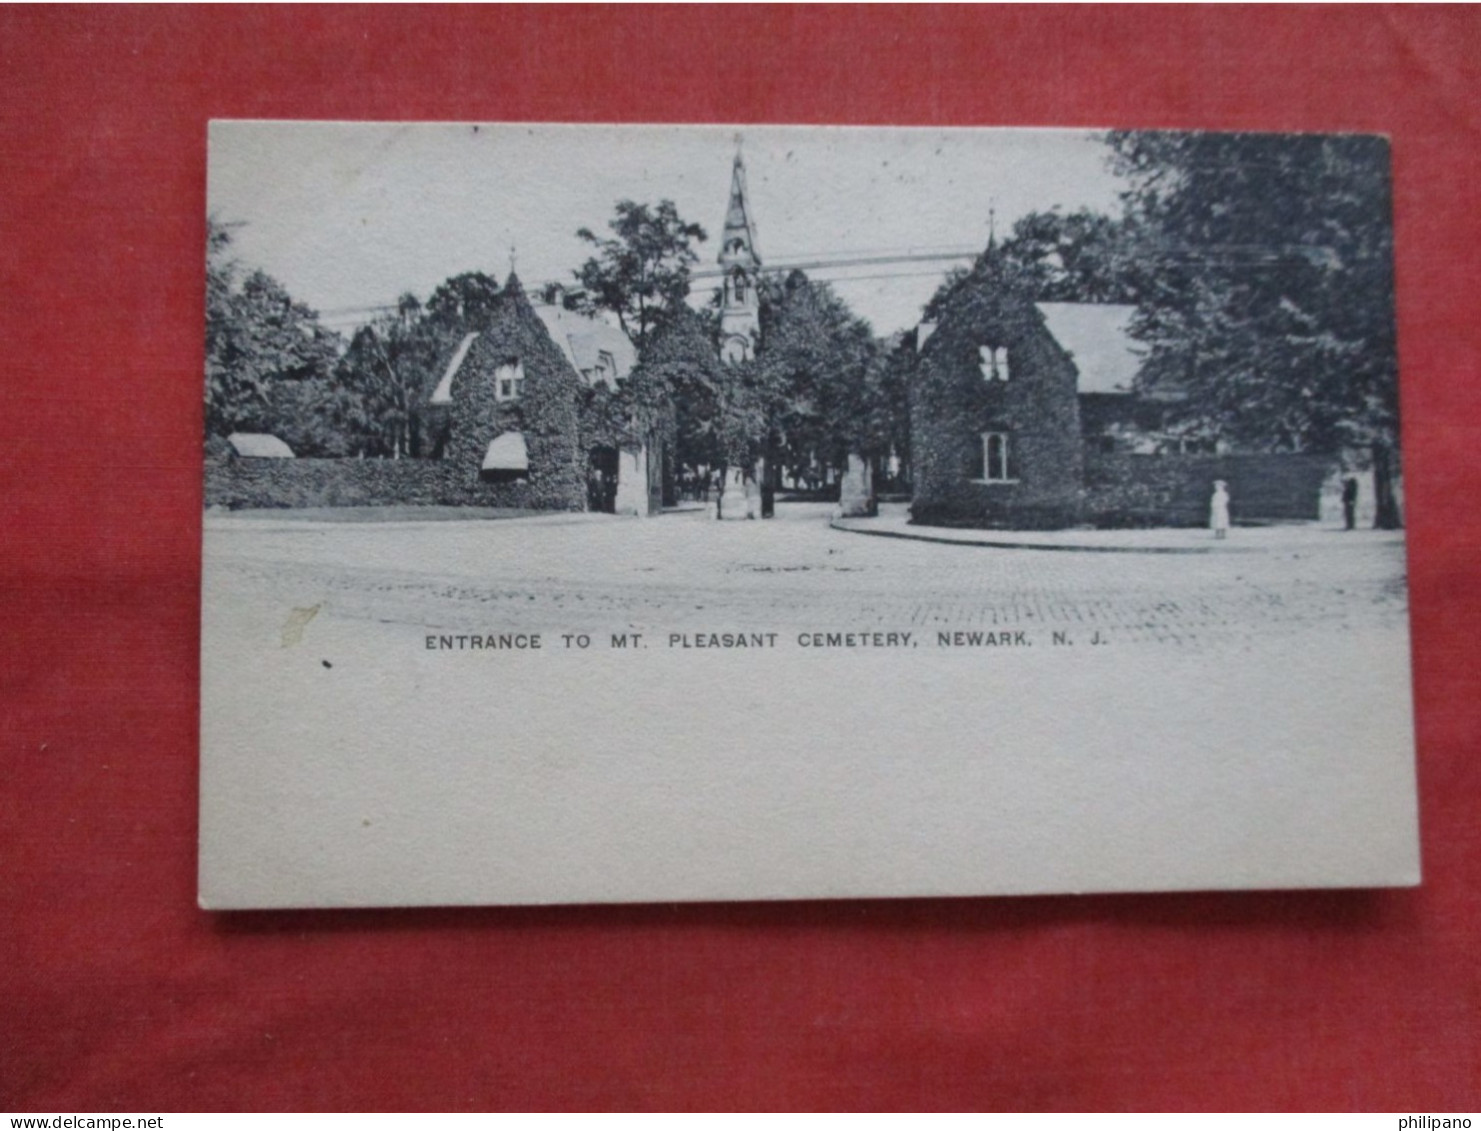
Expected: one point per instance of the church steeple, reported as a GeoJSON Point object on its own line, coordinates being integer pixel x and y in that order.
{"type": "Point", "coordinates": [740, 309]}
{"type": "Point", "coordinates": [738, 244]}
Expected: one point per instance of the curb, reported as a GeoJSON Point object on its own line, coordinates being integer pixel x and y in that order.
{"type": "Point", "coordinates": [1073, 548]}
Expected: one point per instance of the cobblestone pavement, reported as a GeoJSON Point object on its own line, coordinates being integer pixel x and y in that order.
{"type": "Point", "coordinates": [687, 573]}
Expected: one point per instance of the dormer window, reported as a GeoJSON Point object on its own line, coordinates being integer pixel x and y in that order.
{"type": "Point", "coordinates": [992, 361]}
{"type": "Point", "coordinates": [509, 380]}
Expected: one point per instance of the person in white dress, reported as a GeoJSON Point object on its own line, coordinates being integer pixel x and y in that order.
{"type": "Point", "coordinates": [1218, 510]}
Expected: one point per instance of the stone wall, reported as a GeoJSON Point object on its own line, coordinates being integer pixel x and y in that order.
{"type": "Point", "coordinates": [1122, 489]}
{"type": "Point", "coordinates": [243, 483]}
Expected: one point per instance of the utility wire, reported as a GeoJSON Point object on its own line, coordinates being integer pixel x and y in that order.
{"type": "Point", "coordinates": [806, 260]}
{"type": "Point", "coordinates": [1245, 255]}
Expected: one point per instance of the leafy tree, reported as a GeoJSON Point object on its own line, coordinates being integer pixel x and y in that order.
{"type": "Point", "coordinates": [1266, 287]}
{"type": "Point", "coordinates": [680, 369]}
{"type": "Point", "coordinates": [1079, 256]}
{"type": "Point", "coordinates": [1055, 256]}
{"type": "Point", "coordinates": [886, 414]}
{"type": "Point", "coordinates": [389, 364]}
{"type": "Point", "coordinates": [815, 377]}
{"type": "Point", "coordinates": [230, 393]}
{"type": "Point", "coordinates": [817, 389]}
{"type": "Point", "coordinates": [266, 355]}
{"type": "Point", "coordinates": [321, 416]}
{"type": "Point", "coordinates": [393, 363]}
{"type": "Point", "coordinates": [460, 305]}
{"type": "Point", "coordinates": [641, 272]}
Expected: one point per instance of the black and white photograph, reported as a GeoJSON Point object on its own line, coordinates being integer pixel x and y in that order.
{"type": "Point", "coordinates": [676, 512]}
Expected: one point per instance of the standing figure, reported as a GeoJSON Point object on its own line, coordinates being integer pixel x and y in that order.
{"type": "Point", "coordinates": [1218, 510]}
{"type": "Point", "coordinates": [1350, 502]}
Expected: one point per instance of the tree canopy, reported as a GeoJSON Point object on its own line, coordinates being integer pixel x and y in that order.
{"type": "Point", "coordinates": [387, 368]}
{"type": "Point", "coordinates": [1266, 293]}
{"type": "Point", "coordinates": [641, 272]}
{"type": "Point", "coordinates": [817, 375]}
{"type": "Point", "coordinates": [1265, 284]}
{"type": "Point", "coordinates": [818, 387]}
{"type": "Point", "coordinates": [460, 305]}
{"type": "Point", "coordinates": [1055, 256]}
{"type": "Point", "coordinates": [269, 361]}
{"type": "Point", "coordinates": [681, 368]}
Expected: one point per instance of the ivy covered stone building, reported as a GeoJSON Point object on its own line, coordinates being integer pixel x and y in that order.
{"type": "Point", "coordinates": [1030, 416]}
{"type": "Point", "coordinates": [521, 403]}
{"type": "Point", "coordinates": [507, 408]}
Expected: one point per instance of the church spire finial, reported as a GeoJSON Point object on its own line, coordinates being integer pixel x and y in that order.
{"type": "Point", "coordinates": [738, 239]}
{"type": "Point", "coordinates": [740, 264]}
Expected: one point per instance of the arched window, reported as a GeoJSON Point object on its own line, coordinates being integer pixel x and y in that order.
{"type": "Point", "coordinates": [509, 380]}
{"type": "Point", "coordinates": [738, 286]}
{"type": "Point", "coordinates": [992, 462]}
{"type": "Point", "coordinates": [992, 361]}
{"type": "Point", "coordinates": [997, 455]}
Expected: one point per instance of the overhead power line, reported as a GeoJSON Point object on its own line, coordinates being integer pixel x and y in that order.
{"type": "Point", "coordinates": [886, 275]}
{"type": "Point", "coordinates": [855, 261]}
{"type": "Point", "coordinates": [356, 315]}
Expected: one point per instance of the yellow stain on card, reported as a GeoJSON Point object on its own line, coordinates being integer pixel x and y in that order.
{"type": "Point", "coordinates": [297, 621]}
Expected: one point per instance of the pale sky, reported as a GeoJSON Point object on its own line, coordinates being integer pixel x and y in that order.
{"type": "Point", "coordinates": [350, 215]}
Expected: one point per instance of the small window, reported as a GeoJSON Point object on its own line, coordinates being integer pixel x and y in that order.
{"type": "Point", "coordinates": [996, 467]}
{"type": "Point", "coordinates": [738, 287]}
{"type": "Point", "coordinates": [509, 381]}
{"type": "Point", "coordinates": [992, 361]}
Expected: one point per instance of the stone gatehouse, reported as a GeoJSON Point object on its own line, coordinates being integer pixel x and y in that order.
{"type": "Point", "coordinates": [1027, 415]}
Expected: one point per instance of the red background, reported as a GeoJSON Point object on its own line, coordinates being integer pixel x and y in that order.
{"type": "Point", "coordinates": [117, 994]}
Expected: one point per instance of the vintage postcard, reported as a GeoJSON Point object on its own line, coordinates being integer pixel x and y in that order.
{"type": "Point", "coordinates": [618, 513]}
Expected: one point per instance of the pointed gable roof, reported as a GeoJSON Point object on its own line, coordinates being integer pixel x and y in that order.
{"type": "Point", "coordinates": [443, 394]}
{"type": "Point", "coordinates": [584, 340]}
{"type": "Point", "coordinates": [738, 241]}
{"type": "Point", "coordinates": [513, 330]}
{"type": "Point", "coordinates": [514, 289]}
{"type": "Point", "coordinates": [982, 303]}
{"type": "Point", "coordinates": [1095, 336]}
